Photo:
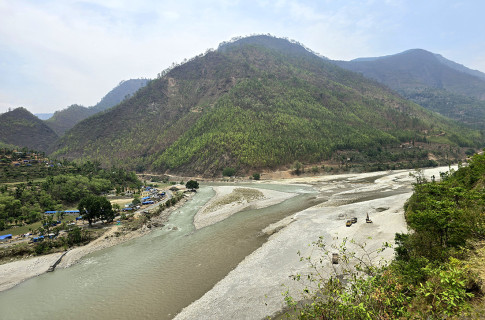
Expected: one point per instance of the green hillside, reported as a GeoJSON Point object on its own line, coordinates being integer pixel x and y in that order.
{"type": "Point", "coordinates": [430, 80]}
{"type": "Point", "coordinates": [65, 119]}
{"type": "Point", "coordinates": [122, 91]}
{"type": "Point", "coordinates": [259, 102]}
{"type": "Point", "coordinates": [21, 128]}
{"type": "Point", "coordinates": [467, 110]}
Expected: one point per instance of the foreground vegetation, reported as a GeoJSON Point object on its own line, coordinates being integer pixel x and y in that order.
{"type": "Point", "coordinates": [436, 273]}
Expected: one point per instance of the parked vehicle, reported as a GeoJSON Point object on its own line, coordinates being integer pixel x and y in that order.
{"type": "Point", "coordinates": [348, 223]}
{"type": "Point", "coordinates": [368, 220]}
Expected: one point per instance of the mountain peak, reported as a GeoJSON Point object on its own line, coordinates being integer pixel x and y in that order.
{"type": "Point", "coordinates": [21, 128]}
{"type": "Point", "coordinates": [255, 103]}
{"type": "Point", "coordinates": [430, 80]}
{"type": "Point", "coordinates": [268, 41]}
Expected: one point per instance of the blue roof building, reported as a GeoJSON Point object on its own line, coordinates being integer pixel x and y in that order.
{"type": "Point", "coordinates": [5, 237]}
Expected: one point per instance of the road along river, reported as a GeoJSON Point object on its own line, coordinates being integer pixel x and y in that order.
{"type": "Point", "coordinates": [230, 269]}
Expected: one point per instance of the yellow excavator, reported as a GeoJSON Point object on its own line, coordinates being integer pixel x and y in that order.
{"type": "Point", "coordinates": [368, 220]}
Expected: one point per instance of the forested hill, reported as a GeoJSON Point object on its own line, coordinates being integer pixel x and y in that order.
{"type": "Point", "coordinates": [21, 128]}
{"type": "Point", "coordinates": [65, 119]}
{"type": "Point", "coordinates": [122, 91]}
{"type": "Point", "coordinates": [430, 80]}
{"type": "Point", "coordinates": [259, 102]}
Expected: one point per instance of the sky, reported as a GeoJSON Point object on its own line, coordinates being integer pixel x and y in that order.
{"type": "Point", "coordinates": [55, 53]}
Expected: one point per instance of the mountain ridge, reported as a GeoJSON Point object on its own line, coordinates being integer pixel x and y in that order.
{"type": "Point", "coordinates": [430, 80]}
{"type": "Point", "coordinates": [21, 128]}
{"type": "Point", "coordinates": [258, 103]}
{"type": "Point", "coordinates": [63, 120]}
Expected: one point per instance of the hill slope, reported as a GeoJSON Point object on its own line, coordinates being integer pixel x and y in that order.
{"type": "Point", "coordinates": [65, 119]}
{"type": "Point", "coordinates": [122, 91]}
{"type": "Point", "coordinates": [260, 102]}
{"type": "Point", "coordinates": [430, 80]}
{"type": "Point", "coordinates": [21, 128]}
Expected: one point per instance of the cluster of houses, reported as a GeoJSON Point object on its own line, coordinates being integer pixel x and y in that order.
{"type": "Point", "coordinates": [148, 196]}
{"type": "Point", "coordinates": [65, 212]}
{"type": "Point", "coordinates": [19, 158]}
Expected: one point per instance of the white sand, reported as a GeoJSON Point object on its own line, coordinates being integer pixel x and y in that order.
{"type": "Point", "coordinates": [15, 272]}
{"type": "Point", "coordinates": [253, 290]}
{"type": "Point", "coordinates": [210, 213]}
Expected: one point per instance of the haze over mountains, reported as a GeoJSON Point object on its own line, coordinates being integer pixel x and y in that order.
{"type": "Point", "coordinates": [65, 119]}
{"type": "Point", "coordinates": [430, 80]}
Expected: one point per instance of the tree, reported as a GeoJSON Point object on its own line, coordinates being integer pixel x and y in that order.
{"type": "Point", "coordinates": [136, 199]}
{"type": "Point", "coordinates": [116, 207]}
{"type": "Point", "coordinates": [95, 207]}
{"type": "Point", "coordinates": [298, 168]}
{"type": "Point", "coordinates": [256, 176]}
{"type": "Point", "coordinates": [106, 210]}
{"type": "Point", "coordinates": [228, 172]}
{"type": "Point", "coordinates": [192, 184]}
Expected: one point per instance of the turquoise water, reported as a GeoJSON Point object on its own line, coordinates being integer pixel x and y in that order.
{"type": "Point", "coordinates": [154, 276]}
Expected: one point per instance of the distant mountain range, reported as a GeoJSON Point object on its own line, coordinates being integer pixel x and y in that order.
{"type": "Point", "coordinates": [261, 103]}
{"type": "Point", "coordinates": [21, 128]}
{"type": "Point", "coordinates": [65, 119]}
{"type": "Point", "coordinates": [43, 116]}
{"type": "Point", "coordinates": [430, 80]}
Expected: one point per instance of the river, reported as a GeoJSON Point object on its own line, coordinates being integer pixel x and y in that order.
{"type": "Point", "coordinates": [157, 275]}
{"type": "Point", "coordinates": [154, 276]}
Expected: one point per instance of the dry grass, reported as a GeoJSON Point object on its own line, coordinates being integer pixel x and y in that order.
{"type": "Point", "coordinates": [477, 265]}
{"type": "Point", "coordinates": [238, 196]}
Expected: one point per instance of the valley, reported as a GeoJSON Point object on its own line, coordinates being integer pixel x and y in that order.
{"type": "Point", "coordinates": [233, 267]}
{"type": "Point", "coordinates": [294, 153]}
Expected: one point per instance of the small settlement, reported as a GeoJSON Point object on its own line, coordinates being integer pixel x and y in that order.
{"type": "Point", "coordinates": [149, 196]}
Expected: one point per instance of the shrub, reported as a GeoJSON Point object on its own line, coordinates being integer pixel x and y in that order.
{"type": "Point", "coordinates": [228, 172]}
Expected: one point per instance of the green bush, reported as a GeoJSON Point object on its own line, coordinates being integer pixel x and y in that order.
{"type": "Point", "coordinates": [361, 288]}
{"type": "Point", "coordinates": [228, 172]}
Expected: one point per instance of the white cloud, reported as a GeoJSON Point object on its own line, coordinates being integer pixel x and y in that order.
{"type": "Point", "coordinates": [64, 52]}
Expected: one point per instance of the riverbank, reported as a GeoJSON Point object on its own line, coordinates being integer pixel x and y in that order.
{"type": "Point", "coordinates": [164, 269]}
{"type": "Point", "coordinates": [253, 290]}
{"type": "Point", "coordinates": [229, 200]}
{"type": "Point", "coordinates": [13, 273]}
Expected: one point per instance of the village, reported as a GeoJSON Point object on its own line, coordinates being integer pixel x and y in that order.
{"type": "Point", "coordinates": [134, 208]}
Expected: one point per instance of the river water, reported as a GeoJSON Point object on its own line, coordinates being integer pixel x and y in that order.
{"type": "Point", "coordinates": [155, 276]}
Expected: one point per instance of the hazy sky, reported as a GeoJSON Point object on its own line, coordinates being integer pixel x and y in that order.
{"type": "Point", "coordinates": [54, 53]}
